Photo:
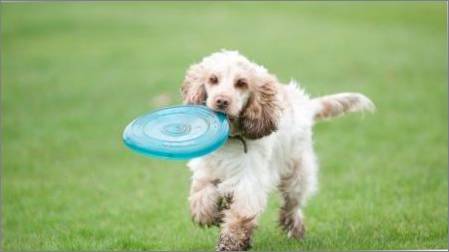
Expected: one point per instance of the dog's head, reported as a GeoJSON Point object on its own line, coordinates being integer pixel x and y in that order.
{"type": "Point", "coordinates": [228, 82]}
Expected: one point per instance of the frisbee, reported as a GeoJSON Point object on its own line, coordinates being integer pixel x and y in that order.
{"type": "Point", "coordinates": [179, 132]}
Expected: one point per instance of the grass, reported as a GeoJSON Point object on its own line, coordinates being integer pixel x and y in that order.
{"type": "Point", "coordinates": [74, 74]}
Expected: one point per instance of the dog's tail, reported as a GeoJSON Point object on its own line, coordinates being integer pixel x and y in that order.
{"type": "Point", "coordinates": [330, 106]}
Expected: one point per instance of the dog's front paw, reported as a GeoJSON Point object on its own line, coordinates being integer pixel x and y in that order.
{"type": "Point", "coordinates": [293, 225]}
{"type": "Point", "coordinates": [229, 242]}
{"type": "Point", "coordinates": [204, 208]}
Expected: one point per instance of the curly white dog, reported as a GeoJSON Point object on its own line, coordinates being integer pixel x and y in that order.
{"type": "Point", "coordinates": [270, 146]}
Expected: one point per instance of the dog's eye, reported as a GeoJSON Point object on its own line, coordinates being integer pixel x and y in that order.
{"type": "Point", "coordinates": [241, 83]}
{"type": "Point", "coordinates": [213, 79]}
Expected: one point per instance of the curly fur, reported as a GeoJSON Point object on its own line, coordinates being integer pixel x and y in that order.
{"type": "Point", "coordinates": [276, 120]}
{"type": "Point", "coordinates": [192, 88]}
{"type": "Point", "coordinates": [260, 116]}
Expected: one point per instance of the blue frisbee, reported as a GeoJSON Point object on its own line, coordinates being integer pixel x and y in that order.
{"type": "Point", "coordinates": [180, 132]}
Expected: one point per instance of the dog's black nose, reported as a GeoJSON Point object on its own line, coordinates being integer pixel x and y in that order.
{"type": "Point", "coordinates": [222, 102]}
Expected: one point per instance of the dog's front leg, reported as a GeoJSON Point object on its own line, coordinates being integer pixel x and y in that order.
{"type": "Point", "coordinates": [203, 201]}
{"type": "Point", "coordinates": [240, 219]}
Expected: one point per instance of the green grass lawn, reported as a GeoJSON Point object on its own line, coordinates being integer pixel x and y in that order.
{"type": "Point", "coordinates": [74, 74]}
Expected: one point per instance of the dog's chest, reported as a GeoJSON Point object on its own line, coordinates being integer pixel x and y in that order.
{"type": "Point", "coordinates": [231, 160]}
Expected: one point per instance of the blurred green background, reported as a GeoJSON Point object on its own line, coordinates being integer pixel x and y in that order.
{"type": "Point", "coordinates": [74, 74]}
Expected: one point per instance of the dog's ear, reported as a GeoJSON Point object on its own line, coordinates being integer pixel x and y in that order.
{"type": "Point", "coordinates": [192, 89]}
{"type": "Point", "coordinates": [261, 114]}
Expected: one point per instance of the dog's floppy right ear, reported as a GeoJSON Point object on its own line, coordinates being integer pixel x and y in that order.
{"type": "Point", "coordinates": [192, 89]}
{"type": "Point", "coordinates": [261, 115]}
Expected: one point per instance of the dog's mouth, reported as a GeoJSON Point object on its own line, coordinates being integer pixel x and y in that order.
{"type": "Point", "coordinates": [220, 110]}
{"type": "Point", "coordinates": [230, 116]}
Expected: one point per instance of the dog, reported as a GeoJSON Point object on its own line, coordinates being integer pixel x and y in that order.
{"type": "Point", "coordinates": [270, 146]}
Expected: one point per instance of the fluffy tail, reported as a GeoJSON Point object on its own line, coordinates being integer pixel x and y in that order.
{"type": "Point", "coordinates": [329, 106]}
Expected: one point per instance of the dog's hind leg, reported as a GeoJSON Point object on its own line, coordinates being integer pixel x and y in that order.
{"type": "Point", "coordinates": [295, 188]}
